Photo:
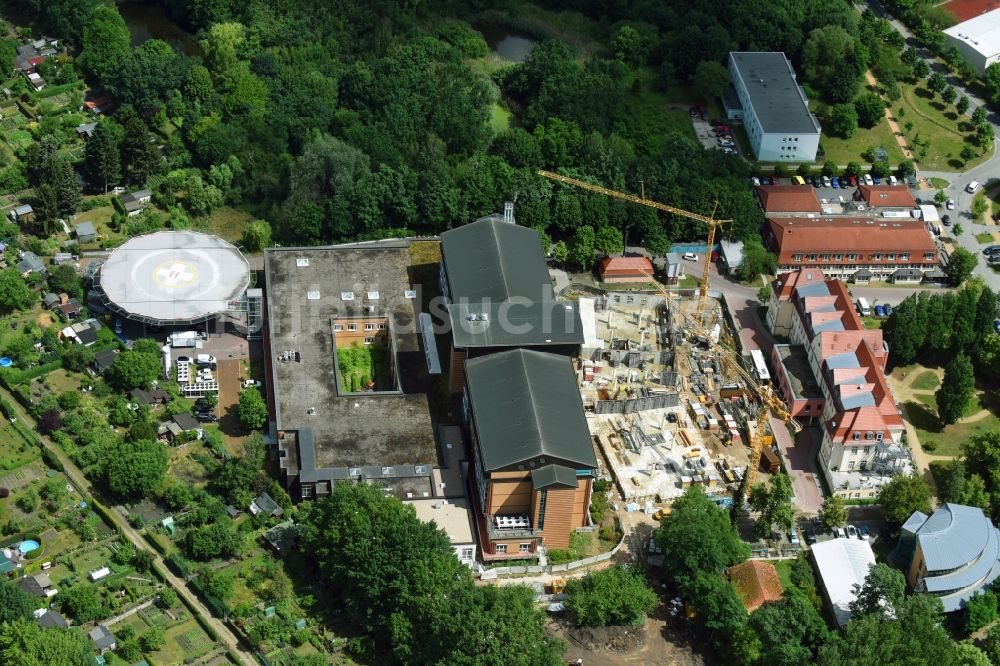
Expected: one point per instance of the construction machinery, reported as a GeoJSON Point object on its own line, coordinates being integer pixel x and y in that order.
{"type": "Point", "coordinates": [709, 221]}
{"type": "Point", "coordinates": [770, 401]}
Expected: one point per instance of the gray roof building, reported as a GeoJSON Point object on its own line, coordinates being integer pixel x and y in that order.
{"type": "Point", "coordinates": [777, 100]}
{"type": "Point", "coordinates": [35, 585]}
{"type": "Point", "coordinates": [186, 422]}
{"type": "Point", "coordinates": [85, 231]}
{"type": "Point", "coordinates": [495, 324]}
{"type": "Point", "coordinates": [953, 553]}
{"type": "Point", "coordinates": [526, 404]}
{"type": "Point", "coordinates": [102, 638]}
{"type": "Point", "coordinates": [51, 619]}
{"type": "Point", "coordinates": [86, 130]}
{"type": "Point", "coordinates": [103, 359]}
{"type": "Point", "coordinates": [494, 260]}
{"type": "Point", "coordinates": [30, 263]}
{"type": "Point", "coordinates": [265, 504]}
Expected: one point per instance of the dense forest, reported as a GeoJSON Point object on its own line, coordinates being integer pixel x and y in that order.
{"type": "Point", "coordinates": [343, 120]}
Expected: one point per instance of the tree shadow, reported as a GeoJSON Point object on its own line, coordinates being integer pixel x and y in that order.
{"type": "Point", "coordinates": [938, 106]}
{"type": "Point", "coordinates": [951, 115]}
{"type": "Point", "coordinates": [923, 92]}
{"type": "Point", "coordinates": [956, 164]}
{"type": "Point", "coordinates": [922, 417]}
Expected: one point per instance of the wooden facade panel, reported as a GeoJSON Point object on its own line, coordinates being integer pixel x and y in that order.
{"type": "Point", "coordinates": [509, 498]}
{"type": "Point", "coordinates": [456, 371]}
{"type": "Point", "coordinates": [558, 517]}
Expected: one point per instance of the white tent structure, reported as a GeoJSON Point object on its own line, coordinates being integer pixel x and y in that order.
{"type": "Point", "coordinates": [842, 564]}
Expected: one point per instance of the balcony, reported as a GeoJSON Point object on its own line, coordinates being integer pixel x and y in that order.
{"type": "Point", "coordinates": [510, 527]}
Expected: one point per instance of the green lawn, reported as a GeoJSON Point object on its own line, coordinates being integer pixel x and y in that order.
{"type": "Point", "coordinates": [937, 122]}
{"type": "Point", "coordinates": [939, 183]}
{"type": "Point", "coordinates": [842, 150]}
{"type": "Point", "coordinates": [926, 381]}
{"type": "Point", "coordinates": [227, 223]}
{"type": "Point", "coordinates": [499, 118]}
{"type": "Point", "coordinates": [784, 569]}
{"type": "Point", "coordinates": [872, 323]}
{"type": "Point", "coordinates": [19, 138]}
{"type": "Point", "coordinates": [984, 238]}
{"type": "Point", "coordinates": [948, 441]}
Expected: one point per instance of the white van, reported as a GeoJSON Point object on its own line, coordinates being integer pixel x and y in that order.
{"type": "Point", "coordinates": [863, 307]}
{"type": "Point", "coordinates": [893, 181]}
{"type": "Point", "coordinates": [973, 186]}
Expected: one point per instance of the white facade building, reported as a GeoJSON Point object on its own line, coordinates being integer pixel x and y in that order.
{"type": "Point", "coordinates": [978, 39]}
{"type": "Point", "coordinates": [775, 110]}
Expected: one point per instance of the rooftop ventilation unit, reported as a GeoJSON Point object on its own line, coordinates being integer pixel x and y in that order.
{"type": "Point", "coordinates": [420, 469]}
{"type": "Point", "coordinates": [484, 317]}
{"type": "Point", "coordinates": [472, 317]}
{"type": "Point", "coordinates": [409, 293]}
{"type": "Point", "coordinates": [302, 262]}
{"type": "Point", "coordinates": [370, 309]}
{"type": "Point", "coordinates": [312, 295]}
{"type": "Point", "coordinates": [372, 295]}
{"type": "Point", "coordinates": [354, 471]}
{"type": "Point", "coordinates": [347, 295]}
{"type": "Point", "coordinates": [386, 471]}
{"type": "Point", "coordinates": [311, 411]}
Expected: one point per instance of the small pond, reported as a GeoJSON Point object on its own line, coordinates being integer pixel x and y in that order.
{"type": "Point", "coordinates": [148, 21]}
{"type": "Point", "coordinates": [506, 45]}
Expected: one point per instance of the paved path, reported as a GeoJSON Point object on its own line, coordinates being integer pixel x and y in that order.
{"type": "Point", "coordinates": [120, 523]}
{"type": "Point", "coordinates": [893, 125]}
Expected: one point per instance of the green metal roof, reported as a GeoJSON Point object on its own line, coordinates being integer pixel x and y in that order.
{"type": "Point", "coordinates": [553, 475]}
{"type": "Point", "coordinates": [495, 260]}
{"type": "Point", "coordinates": [515, 324]}
{"type": "Point", "coordinates": [526, 405]}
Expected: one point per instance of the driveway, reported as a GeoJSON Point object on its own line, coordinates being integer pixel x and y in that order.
{"type": "Point", "coordinates": [800, 462]}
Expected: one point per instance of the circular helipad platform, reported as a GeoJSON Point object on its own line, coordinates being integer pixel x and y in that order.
{"type": "Point", "coordinates": [173, 277]}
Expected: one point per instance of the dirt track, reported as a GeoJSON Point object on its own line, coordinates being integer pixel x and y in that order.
{"type": "Point", "coordinates": [653, 643]}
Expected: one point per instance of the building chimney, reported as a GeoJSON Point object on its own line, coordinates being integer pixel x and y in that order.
{"type": "Point", "coordinates": [508, 212]}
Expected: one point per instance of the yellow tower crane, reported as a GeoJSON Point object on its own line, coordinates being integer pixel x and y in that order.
{"type": "Point", "coordinates": [768, 398]}
{"type": "Point", "coordinates": [709, 220]}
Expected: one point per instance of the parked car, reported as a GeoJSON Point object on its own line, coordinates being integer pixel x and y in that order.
{"type": "Point", "coordinates": [755, 181]}
{"type": "Point", "coordinates": [868, 179]}
{"type": "Point", "coordinates": [852, 181]}
{"type": "Point", "coordinates": [671, 417]}
{"type": "Point", "coordinates": [729, 150]}
{"type": "Point", "coordinates": [990, 249]}
{"type": "Point", "coordinates": [852, 532]}
{"type": "Point", "coordinates": [690, 256]}
{"type": "Point", "coordinates": [888, 310]}
{"type": "Point", "coordinates": [727, 144]}
{"type": "Point", "coordinates": [877, 179]}
{"type": "Point", "coordinates": [826, 181]}
{"type": "Point", "coordinates": [810, 537]}
{"type": "Point", "coordinates": [765, 180]}
{"type": "Point", "coordinates": [893, 181]}
{"type": "Point", "coordinates": [206, 418]}
{"type": "Point", "coordinates": [950, 205]}
{"type": "Point", "coordinates": [946, 220]}
{"type": "Point", "coordinates": [840, 532]}
{"type": "Point", "coordinates": [972, 187]}
{"type": "Point", "coordinates": [793, 537]}
{"type": "Point", "coordinates": [183, 359]}
{"type": "Point", "coordinates": [835, 182]}
{"type": "Point", "coordinates": [879, 311]}
{"type": "Point", "coordinates": [254, 383]}
{"type": "Point", "coordinates": [865, 534]}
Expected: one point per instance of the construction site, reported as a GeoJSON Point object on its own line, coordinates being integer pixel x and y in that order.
{"type": "Point", "coordinates": [670, 402]}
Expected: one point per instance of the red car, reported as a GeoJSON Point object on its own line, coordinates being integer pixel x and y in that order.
{"type": "Point", "coordinates": [852, 181]}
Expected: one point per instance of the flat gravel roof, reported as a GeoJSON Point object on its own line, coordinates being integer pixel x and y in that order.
{"type": "Point", "coordinates": [174, 276]}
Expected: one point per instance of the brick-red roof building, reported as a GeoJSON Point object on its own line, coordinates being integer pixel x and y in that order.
{"type": "Point", "coordinates": [756, 583]}
{"type": "Point", "coordinates": [626, 269]}
{"type": "Point", "coordinates": [824, 241]}
{"type": "Point", "coordinates": [788, 199]}
{"type": "Point", "coordinates": [886, 196]}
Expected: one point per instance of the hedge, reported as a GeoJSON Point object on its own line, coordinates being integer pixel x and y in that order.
{"type": "Point", "coordinates": [11, 378]}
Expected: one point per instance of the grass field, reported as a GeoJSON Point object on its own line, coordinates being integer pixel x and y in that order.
{"type": "Point", "coordinates": [184, 641]}
{"type": "Point", "coordinates": [842, 151]}
{"type": "Point", "coordinates": [19, 138]}
{"type": "Point", "coordinates": [926, 381]}
{"type": "Point", "coordinates": [227, 223]}
{"type": "Point", "coordinates": [948, 441]}
{"type": "Point", "coordinates": [499, 118]}
{"type": "Point", "coordinates": [872, 323]}
{"type": "Point", "coordinates": [939, 183]}
{"type": "Point", "coordinates": [938, 122]}
{"type": "Point", "coordinates": [985, 238]}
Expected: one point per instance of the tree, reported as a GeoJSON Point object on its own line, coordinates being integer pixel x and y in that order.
{"type": "Point", "coordinates": [985, 135]}
{"type": "Point", "coordinates": [832, 62]}
{"type": "Point", "coordinates": [956, 231]}
{"type": "Point", "coordinates": [84, 603]}
{"type": "Point", "coordinates": [582, 247]}
{"type": "Point", "coordinates": [609, 241]}
{"type": "Point", "coordinates": [24, 642]}
{"type": "Point", "coordinates": [757, 260]}
{"type": "Point", "coordinates": [612, 596]}
{"type": "Point", "coordinates": [936, 82]}
{"type": "Point", "coordinates": [854, 169]}
{"type": "Point", "coordinates": [843, 120]}
{"type": "Point", "coordinates": [710, 79]}
{"type": "Point", "coordinates": [962, 105]}
{"type": "Point", "coordinates": [140, 155]}
{"type": "Point", "coordinates": [967, 154]}
{"type": "Point", "coordinates": [979, 116]}
{"type": "Point", "coordinates": [167, 598]}
{"type": "Point", "coordinates": [63, 279]}
{"type": "Point", "coordinates": [252, 409]}
{"type": "Point", "coordinates": [980, 610]}
{"type": "Point", "coordinates": [133, 369]}
{"type": "Point", "coordinates": [14, 292]}
{"type": "Point", "coordinates": [222, 46]}
{"type": "Point", "coordinates": [970, 655]}
{"type": "Point", "coordinates": [957, 389]}
{"type": "Point", "coordinates": [105, 38]}
{"type": "Point", "coordinates": [629, 46]}
{"type": "Point", "coordinates": [920, 69]}
{"type": "Point", "coordinates": [774, 505]}
{"type": "Point", "coordinates": [882, 593]}
{"type": "Point", "coordinates": [153, 639]}
{"type": "Point", "coordinates": [961, 263]}
{"type": "Point", "coordinates": [135, 469]}
{"type": "Point", "coordinates": [834, 512]}
{"type": "Point", "coordinates": [256, 236]}
{"type": "Point", "coordinates": [103, 155]}
{"type": "Point", "coordinates": [698, 538]}
{"type": "Point", "coordinates": [870, 109]}
{"type": "Point", "coordinates": [949, 94]}
{"type": "Point", "coordinates": [14, 604]}
{"type": "Point", "coordinates": [881, 169]}
{"type": "Point", "coordinates": [219, 539]}
{"type": "Point", "coordinates": [791, 630]}
{"type": "Point", "coordinates": [903, 495]}
{"type": "Point", "coordinates": [906, 168]}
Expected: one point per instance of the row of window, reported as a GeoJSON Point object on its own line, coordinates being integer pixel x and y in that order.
{"type": "Point", "coordinates": [878, 256]}
{"type": "Point", "coordinates": [789, 138]}
{"type": "Point", "coordinates": [877, 436]}
{"type": "Point", "coordinates": [354, 327]}
{"type": "Point", "coordinates": [523, 548]}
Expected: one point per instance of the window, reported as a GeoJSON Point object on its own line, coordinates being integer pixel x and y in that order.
{"type": "Point", "coordinates": [869, 435]}
{"type": "Point", "coordinates": [501, 548]}
{"type": "Point", "coordinates": [307, 490]}
{"type": "Point", "coordinates": [524, 547]}
{"type": "Point", "coordinates": [838, 256]}
{"type": "Point", "coordinates": [338, 327]}
{"type": "Point", "coordinates": [369, 341]}
{"type": "Point", "coordinates": [857, 437]}
{"type": "Point", "coordinates": [369, 327]}
{"type": "Point", "coordinates": [381, 327]}
{"type": "Point", "coordinates": [904, 257]}
{"type": "Point", "coordinates": [467, 553]}
{"type": "Point", "coordinates": [812, 257]}
{"type": "Point", "coordinates": [877, 256]}
{"type": "Point", "coordinates": [866, 450]}
{"type": "Point", "coordinates": [542, 496]}
{"type": "Point", "coordinates": [796, 257]}
{"type": "Point", "coordinates": [825, 257]}
{"type": "Point", "coordinates": [850, 465]}
{"type": "Point", "coordinates": [352, 327]}
{"type": "Point", "coordinates": [928, 257]}
{"type": "Point", "coordinates": [878, 437]}
{"type": "Point", "coordinates": [891, 256]}
{"type": "Point", "coordinates": [852, 257]}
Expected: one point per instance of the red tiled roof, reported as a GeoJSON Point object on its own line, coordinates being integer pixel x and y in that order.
{"type": "Point", "coordinates": [756, 583]}
{"type": "Point", "coordinates": [863, 237]}
{"type": "Point", "coordinates": [626, 266]}
{"type": "Point", "coordinates": [786, 283]}
{"type": "Point", "coordinates": [887, 196]}
{"type": "Point", "coordinates": [788, 199]}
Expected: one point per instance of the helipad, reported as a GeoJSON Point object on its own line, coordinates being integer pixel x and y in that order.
{"type": "Point", "coordinates": [173, 277]}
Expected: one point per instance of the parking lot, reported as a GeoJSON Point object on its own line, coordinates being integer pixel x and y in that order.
{"type": "Point", "coordinates": [706, 134]}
